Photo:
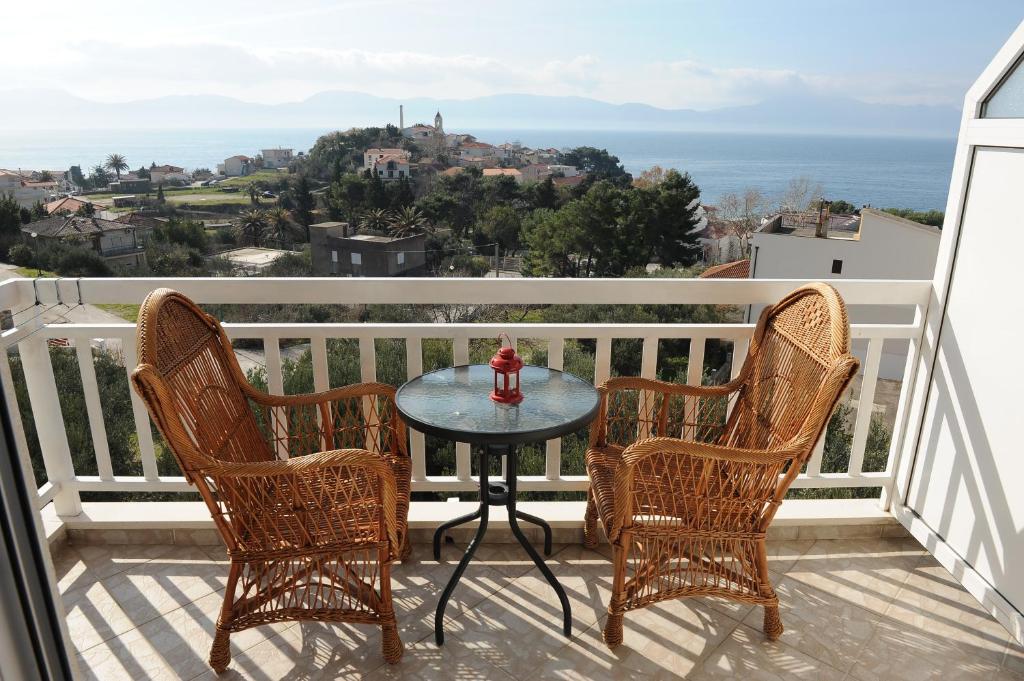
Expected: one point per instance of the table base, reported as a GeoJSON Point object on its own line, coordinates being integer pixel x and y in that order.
{"type": "Point", "coordinates": [497, 493]}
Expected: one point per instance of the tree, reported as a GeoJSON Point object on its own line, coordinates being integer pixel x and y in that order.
{"type": "Point", "coordinates": [402, 196]}
{"type": "Point", "coordinates": [597, 163]}
{"type": "Point", "coordinates": [553, 243]}
{"type": "Point", "coordinates": [45, 176]}
{"type": "Point", "coordinates": [252, 227]}
{"type": "Point", "coordinates": [10, 216]}
{"type": "Point", "coordinates": [305, 203]}
{"type": "Point", "coordinates": [544, 194]}
{"type": "Point", "coordinates": [800, 193]}
{"type": "Point", "coordinates": [501, 223]}
{"type": "Point", "coordinates": [742, 212]}
{"type": "Point", "coordinates": [99, 177]}
{"type": "Point", "coordinates": [116, 163]}
{"type": "Point", "coordinates": [348, 197]}
{"type": "Point", "coordinates": [407, 221]}
{"type": "Point", "coordinates": [650, 178]}
{"type": "Point", "coordinates": [160, 194]}
{"type": "Point", "coordinates": [280, 225]}
{"type": "Point", "coordinates": [376, 194]}
{"type": "Point", "coordinates": [254, 193]}
{"type": "Point", "coordinates": [928, 217]}
{"type": "Point", "coordinates": [673, 220]}
{"type": "Point", "coordinates": [375, 220]}
{"type": "Point", "coordinates": [86, 210]}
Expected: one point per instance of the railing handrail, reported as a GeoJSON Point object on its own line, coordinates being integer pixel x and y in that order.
{"type": "Point", "coordinates": [468, 291]}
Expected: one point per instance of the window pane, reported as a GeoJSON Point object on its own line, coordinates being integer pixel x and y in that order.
{"type": "Point", "coordinates": [1008, 99]}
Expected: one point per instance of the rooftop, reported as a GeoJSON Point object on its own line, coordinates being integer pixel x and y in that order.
{"type": "Point", "coordinates": [859, 609]}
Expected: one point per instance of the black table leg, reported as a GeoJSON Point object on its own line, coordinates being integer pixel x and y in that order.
{"type": "Point", "coordinates": [538, 561]}
{"type": "Point", "coordinates": [504, 494]}
{"type": "Point", "coordinates": [454, 522]}
{"type": "Point", "coordinates": [543, 525]}
{"type": "Point", "coordinates": [466, 557]}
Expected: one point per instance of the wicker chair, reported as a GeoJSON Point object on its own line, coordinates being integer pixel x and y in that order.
{"type": "Point", "coordinates": [310, 493]}
{"type": "Point", "coordinates": [686, 480]}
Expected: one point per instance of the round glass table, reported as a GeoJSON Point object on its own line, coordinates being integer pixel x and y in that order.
{"type": "Point", "coordinates": [455, 404]}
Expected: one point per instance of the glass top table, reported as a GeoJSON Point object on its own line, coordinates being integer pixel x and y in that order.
{"type": "Point", "coordinates": [455, 404]}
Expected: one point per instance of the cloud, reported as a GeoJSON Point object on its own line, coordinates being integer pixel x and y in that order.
{"type": "Point", "coordinates": [118, 72]}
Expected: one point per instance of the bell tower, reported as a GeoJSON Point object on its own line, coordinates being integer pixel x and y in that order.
{"type": "Point", "coordinates": [440, 143]}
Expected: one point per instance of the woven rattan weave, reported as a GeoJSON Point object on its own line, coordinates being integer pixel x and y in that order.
{"type": "Point", "coordinates": [686, 479]}
{"type": "Point", "coordinates": [310, 493]}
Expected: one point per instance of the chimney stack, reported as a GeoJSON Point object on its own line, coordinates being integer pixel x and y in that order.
{"type": "Point", "coordinates": [824, 209]}
{"type": "Point", "coordinates": [401, 118]}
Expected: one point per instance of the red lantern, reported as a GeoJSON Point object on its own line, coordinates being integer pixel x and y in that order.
{"type": "Point", "coordinates": [506, 364]}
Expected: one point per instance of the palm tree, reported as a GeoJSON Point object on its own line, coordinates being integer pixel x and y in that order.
{"type": "Point", "coordinates": [252, 227]}
{"type": "Point", "coordinates": [116, 163]}
{"type": "Point", "coordinates": [279, 222]}
{"type": "Point", "coordinates": [407, 221]}
{"type": "Point", "coordinates": [254, 193]}
{"type": "Point", "coordinates": [375, 220]}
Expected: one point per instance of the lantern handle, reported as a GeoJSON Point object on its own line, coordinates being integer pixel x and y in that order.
{"type": "Point", "coordinates": [507, 337]}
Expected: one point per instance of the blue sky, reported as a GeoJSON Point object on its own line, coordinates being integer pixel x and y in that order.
{"type": "Point", "coordinates": [681, 54]}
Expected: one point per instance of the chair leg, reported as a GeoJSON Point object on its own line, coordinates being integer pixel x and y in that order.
{"type": "Point", "coordinates": [406, 550]}
{"type": "Point", "coordinates": [616, 605]}
{"type": "Point", "coordinates": [772, 622]}
{"type": "Point", "coordinates": [390, 641]}
{"type": "Point", "coordinates": [590, 522]}
{"type": "Point", "coordinates": [220, 651]}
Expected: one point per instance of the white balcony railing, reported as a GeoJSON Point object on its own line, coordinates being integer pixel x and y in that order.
{"type": "Point", "coordinates": [29, 300]}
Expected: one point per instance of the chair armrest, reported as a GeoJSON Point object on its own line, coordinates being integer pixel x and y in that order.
{"type": "Point", "coordinates": [361, 416]}
{"type": "Point", "coordinates": [636, 408]}
{"type": "Point", "coordinates": [343, 496]}
{"type": "Point", "coordinates": [668, 485]}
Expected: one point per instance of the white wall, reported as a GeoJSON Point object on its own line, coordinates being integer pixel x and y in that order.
{"type": "Point", "coordinates": [888, 248]}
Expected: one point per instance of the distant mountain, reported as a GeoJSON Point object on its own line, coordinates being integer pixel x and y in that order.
{"type": "Point", "coordinates": [804, 113]}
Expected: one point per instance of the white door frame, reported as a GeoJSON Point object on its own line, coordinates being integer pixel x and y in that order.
{"type": "Point", "coordinates": [975, 132]}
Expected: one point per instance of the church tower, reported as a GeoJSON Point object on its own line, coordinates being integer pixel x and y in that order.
{"type": "Point", "coordinates": [440, 144]}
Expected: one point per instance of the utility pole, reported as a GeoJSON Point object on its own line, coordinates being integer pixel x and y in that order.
{"type": "Point", "coordinates": [497, 262]}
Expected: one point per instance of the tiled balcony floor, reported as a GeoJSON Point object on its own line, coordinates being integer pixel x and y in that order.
{"type": "Point", "coordinates": [853, 609]}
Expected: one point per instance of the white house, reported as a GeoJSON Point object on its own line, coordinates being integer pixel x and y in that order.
{"type": "Point", "coordinates": [277, 158]}
{"type": "Point", "coordinates": [24, 190]}
{"type": "Point", "coordinates": [167, 174]}
{"type": "Point", "coordinates": [390, 168]}
{"type": "Point", "coordinates": [565, 171]}
{"type": "Point", "coordinates": [371, 156]}
{"type": "Point", "coordinates": [876, 245]}
{"type": "Point", "coordinates": [235, 166]}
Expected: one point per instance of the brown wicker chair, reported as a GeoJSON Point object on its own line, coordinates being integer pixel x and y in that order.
{"type": "Point", "coordinates": [687, 479]}
{"type": "Point", "coordinates": [309, 492]}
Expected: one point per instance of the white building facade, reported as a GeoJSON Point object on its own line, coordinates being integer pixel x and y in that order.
{"type": "Point", "coordinates": [883, 247]}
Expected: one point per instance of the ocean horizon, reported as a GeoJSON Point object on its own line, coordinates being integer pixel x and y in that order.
{"type": "Point", "coordinates": [887, 172]}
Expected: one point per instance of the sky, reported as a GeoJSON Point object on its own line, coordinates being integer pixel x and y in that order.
{"type": "Point", "coordinates": [682, 54]}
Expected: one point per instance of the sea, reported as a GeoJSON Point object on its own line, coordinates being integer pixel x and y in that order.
{"type": "Point", "coordinates": [885, 172]}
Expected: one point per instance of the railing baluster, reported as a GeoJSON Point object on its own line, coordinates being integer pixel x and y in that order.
{"type": "Point", "coordinates": [865, 406]}
{"type": "Point", "coordinates": [321, 372]}
{"type": "Point", "coordinates": [418, 446]}
{"type": "Point", "coordinates": [814, 462]}
{"type": "Point", "coordinates": [368, 374]}
{"type": "Point", "coordinates": [460, 355]}
{"type": "Point", "coordinates": [145, 431]}
{"type": "Point", "coordinates": [740, 347]}
{"type": "Point", "coordinates": [275, 385]}
{"type": "Point", "coordinates": [646, 402]}
{"type": "Point", "coordinates": [94, 409]}
{"type": "Point", "coordinates": [603, 360]}
{"type": "Point", "coordinates": [694, 376]}
{"type": "Point", "coordinates": [553, 451]}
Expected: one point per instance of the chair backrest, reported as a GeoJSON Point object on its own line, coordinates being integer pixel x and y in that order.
{"type": "Point", "coordinates": [190, 380]}
{"type": "Point", "coordinates": [798, 365]}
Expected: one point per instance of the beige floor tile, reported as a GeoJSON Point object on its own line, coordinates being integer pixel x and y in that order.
{"type": "Point", "coordinates": [70, 569]}
{"type": "Point", "coordinates": [819, 624]}
{"type": "Point", "coordinates": [868, 573]}
{"type": "Point", "coordinates": [746, 654]}
{"type": "Point", "coordinates": [509, 559]}
{"type": "Point", "coordinates": [93, 615]}
{"type": "Point", "coordinates": [933, 602]}
{"type": "Point", "coordinates": [107, 560]}
{"type": "Point", "coordinates": [176, 645]}
{"type": "Point", "coordinates": [291, 656]}
{"type": "Point", "coordinates": [1014, 659]}
{"type": "Point", "coordinates": [454, 660]}
{"type": "Point", "coordinates": [664, 641]}
{"type": "Point", "coordinates": [152, 589]}
{"type": "Point", "coordinates": [904, 653]}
